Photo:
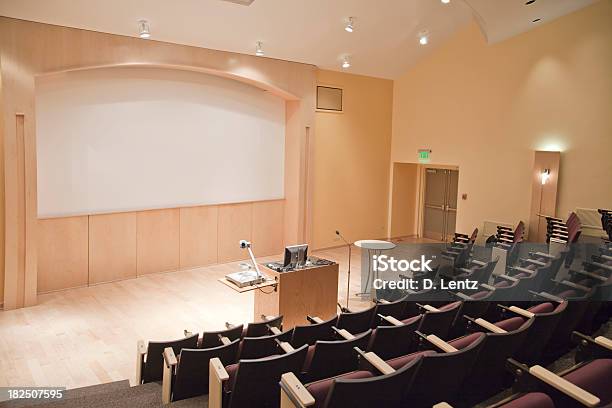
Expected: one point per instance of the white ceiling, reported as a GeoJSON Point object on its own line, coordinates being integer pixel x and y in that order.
{"type": "Point", "coordinates": [384, 43]}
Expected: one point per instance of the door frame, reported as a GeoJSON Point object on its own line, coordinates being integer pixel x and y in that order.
{"type": "Point", "coordinates": [421, 204]}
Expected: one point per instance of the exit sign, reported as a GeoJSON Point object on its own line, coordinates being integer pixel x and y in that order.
{"type": "Point", "coordinates": [424, 155]}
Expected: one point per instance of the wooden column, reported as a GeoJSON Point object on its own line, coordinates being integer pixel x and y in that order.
{"type": "Point", "coordinates": [543, 195]}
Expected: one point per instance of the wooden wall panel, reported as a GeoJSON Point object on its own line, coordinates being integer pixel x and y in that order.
{"type": "Point", "coordinates": [543, 196]}
{"type": "Point", "coordinates": [112, 247]}
{"type": "Point", "coordinates": [157, 241]}
{"type": "Point", "coordinates": [268, 227]}
{"type": "Point", "coordinates": [198, 236]}
{"type": "Point", "coordinates": [62, 253]}
{"type": "Point", "coordinates": [235, 223]}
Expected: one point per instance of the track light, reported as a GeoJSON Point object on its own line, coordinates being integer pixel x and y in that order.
{"type": "Point", "coordinates": [346, 63]}
{"type": "Point", "coordinates": [259, 50]}
{"type": "Point", "coordinates": [350, 25]}
{"type": "Point", "coordinates": [423, 37]}
{"type": "Point", "coordinates": [143, 28]}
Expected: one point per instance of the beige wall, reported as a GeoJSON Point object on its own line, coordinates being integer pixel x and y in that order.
{"type": "Point", "coordinates": [487, 108]}
{"type": "Point", "coordinates": [404, 200]}
{"type": "Point", "coordinates": [351, 161]}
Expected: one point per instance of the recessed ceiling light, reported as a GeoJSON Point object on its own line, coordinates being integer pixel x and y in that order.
{"type": "Point", "coordinates": [536, 20]}
{"type": "Point", "coordinates": [350, 26]}
{"type": "Point", "coordinates": [447, 1]}
{"type": "Point", "coordinates": [143, 29]}
{"type": "Point", "coordinates": [423, 37]}
{"type": "Point", "coordinates": [346, 63]}
{"type": "Point", "coordinates": [258, 49]}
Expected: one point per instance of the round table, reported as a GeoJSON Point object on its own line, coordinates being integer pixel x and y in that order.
{"type": "Point", "coordinates": [373, 247]}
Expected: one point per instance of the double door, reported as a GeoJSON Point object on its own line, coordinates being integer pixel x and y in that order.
{"type": "Point", "coordinates": [440, 204]}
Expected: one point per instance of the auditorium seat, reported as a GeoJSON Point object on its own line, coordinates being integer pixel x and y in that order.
{"type": "Point", "coordinates": [150, 358]}
{"type": "Point", "coordinates": [190, 375]}
{"type": "Point", "coordinates": [317, 330]}
{"type": "Point", "coordinates": [329, 358]}
{"type": "Point", "coordinates": [529, 400]}
{"type": "Point", "coordinates": [252, 383]}
{"type": "Point", "coordinates": [213, 338]}
{"type": "Point", "coordinates": [356, 322]}
{"type": "Point", "coordinates": [262, 346]}
{"type": "Point", "coordinates": [394, 340]}
{"type": "Point", "coordinates": [262, 328]}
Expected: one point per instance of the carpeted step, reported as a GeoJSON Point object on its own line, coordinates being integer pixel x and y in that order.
{"type": "Point", "coordinates": [143, 396]}
{"type": "Point", "coordinates": [72, 393]}
{"type": "Point", "coordinates": [195, 402]}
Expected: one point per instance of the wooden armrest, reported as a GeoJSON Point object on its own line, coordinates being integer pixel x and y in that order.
{"type": "Point", "coordinates": [591, 275]}
{"type": "Point", "coordinates": [383, 301]}
{"type": "Point", "coordinates": [463, 296]}
{"type": "Point", "coordinates": [522, 312]}
{"type": "Point", "coordinates": [217, 375]}
{"type": "Point", "coordinates": [557, 241]}
{"type": "Point", "coordinates": [521, 269]}
{"type": "Point", "coordinates": [187, 333]}
{"type": "Point", "coordinates": [275, 330]}
{"type": "Point", "coordinates": [225, 341]}
{"type": "Point", "coordinates": [168, 370]}
{"type": "Point", "coordinates": [604, 342]}
{"type": "Point", "coordinates": [575, 285]}
{"type": "Point", "coordinates": [377, 362]}
{"type": "Point", "coordinates": [343, 333]}
{"type": "Point", "coordinates": [294, 393]}
{"type": "Point", "coordinates": [441, 344]}
{"type": "Point", "coordinates": [504, 244]}
{"type": "Point", "coordinates": [564, 386]}
{"type": "Point", "coordinates": [489, 326]}
{"type": "Point", "coordinates": [606, 257]}
{"type": "Point", "coordinates": [547, 296]}
{"type": "Point", "coordinates": [228, 325]}
{"type": "Point", "coordinates": [317, 319]}
{"type": "Point", "coordinates": [506, 277]}
{"type": "Point", "coordinates": [442, 405]}
{"type": "Point", "coordinates": [598, 265]}
{"type": "Point", "coordinates": [534, 262]}
{"type": "Point", "coordinates": [392, 320]}
{"type": "Point", "coordinates": [479, 263]}
{"type": "Point", "coordinates": [286, 347]}
{"type": "Point", "coordinates": [487, 287]}
{"type": "Point", "coordinates": [542, 254]}
{"type": "Point", "coordinates": [141, 352]}
{"type": "Point", "coordinates": [430, 308]}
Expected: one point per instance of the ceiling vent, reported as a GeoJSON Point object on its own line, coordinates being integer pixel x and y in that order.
{"type": "Point", "coordinates": [241, 2]}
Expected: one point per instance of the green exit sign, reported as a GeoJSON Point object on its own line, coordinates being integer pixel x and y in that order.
{"type": "Point", "coordinates": [424, 155]}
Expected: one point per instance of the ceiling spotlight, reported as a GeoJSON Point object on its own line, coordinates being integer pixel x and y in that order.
{"type": "Point", "coordinates": [349, 26]}
{"type": "Point", "coordinates": [346, 63]}
{"type": "Point", "coordinates": [536, 20]}
{"type": "Point", "coordinates": [423, 37]}
{"type": "Point", "coordinates": [259, 50]}
{"type": "Point", "coordinates": [143, 28]}
{"type": "Point", "coordinates": [445, 1]}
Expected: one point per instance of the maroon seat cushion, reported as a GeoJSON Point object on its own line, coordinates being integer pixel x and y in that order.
{"type": "Point", "coordinates": [399, 362]}
{"type": "Point", "coordinates": [502, 284]}
{"type": "Point", "coordinates": [531, 400]}
{"type": "Point", "coordinates": [319, 389]}
{"type": "Point", "coordinates": [411, 319]}
{"type": "Point", "coordinates": [309, 355]}
{"type": "Point", "coordinates": [567, 294]}
{"type": "Point", "coordinates": [522, 275]}
{"type": "Point", "coordinates": [510, 324]}
{"type": "Point", "coordinates": [542, 308]}
{"type": "Point", "coordinates": [462, 342]}
{"type": "Point", "coordinates": [449, 306]}
{"type": "Point", "coordinates": [594, 377]}
{"type": "Point", "coordinates": [480, 295]}
{"type": "Point", "coordinates": [231, 372]}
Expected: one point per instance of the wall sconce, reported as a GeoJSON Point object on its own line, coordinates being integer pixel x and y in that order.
{"type": "Point", "coordinates": [545, 175]}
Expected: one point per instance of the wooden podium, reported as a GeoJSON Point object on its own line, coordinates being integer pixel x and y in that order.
{"type": "Point", "coordinates": [300, 292]}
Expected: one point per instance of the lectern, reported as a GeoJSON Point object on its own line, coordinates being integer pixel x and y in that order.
{"type": "Point", "coordinates": [312, 290]}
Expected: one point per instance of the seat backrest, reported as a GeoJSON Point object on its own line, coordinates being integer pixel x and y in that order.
{"type": "Point", "coordinates": [482, 275]}
{"type": "Point", "coordinates": [256, 381]}
{"type": "Point", "coordinates": [357, 322]}
{"type": "Point", "coordinates": [262, 346]}
{"type": "Point", "coordinates": [441, 374]}
{"type": "Point", "coordinates": [539, 334]}
{"type": "Point", "coordinates": [439, 323]}
{"type": "Point", "coordinates": [506, 293]}
{"type": "Point", "coordinates": [211, 339]}
{"type": "Point", "coordinates": [153, 367]}
{"type": "Point", "coordinates": [329, 358]}
{"type": "Point", "coordinates": [381, 391]}
{"type": "Point", "coordinates": [311, 333]}
{"type": "Point", "coordinates": [519, 231]}
{"type": "Point", "coordinates": [393, 341]}
{"type": "Point", "coordinates": [191, 378]}
{"type": "Point", "coordinates": [394, 309]}
{"type": "Point", "coordinates": [486, 377]}
{"type": "Point", "coordinates": [262, 328]}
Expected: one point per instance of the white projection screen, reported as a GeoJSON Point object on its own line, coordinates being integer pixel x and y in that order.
{"type": "Point", "coordinates": [121, 139]}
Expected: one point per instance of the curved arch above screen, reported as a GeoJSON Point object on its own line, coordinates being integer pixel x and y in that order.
{"type": "Point", "coordinates": [122, 139]}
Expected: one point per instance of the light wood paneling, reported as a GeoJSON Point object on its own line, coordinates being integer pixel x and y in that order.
{"type": "Point", "coordinates": [198, 236]}
{"type": "Point", "coordinates": [268, 221]}
{"type": "Point", "coordinates": [112, 247]}
{"type": "Point", "coordinates": [63, 253]}
{"type": "Point", "coordinates": [543, 196]}
{"type": "Point", "coordinates": [158, 241]}
{"type": "Point", "coordinates": [235, 223]}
